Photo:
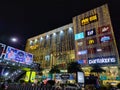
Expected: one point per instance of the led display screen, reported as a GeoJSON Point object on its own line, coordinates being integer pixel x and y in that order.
{"type": "Point", "coordinates": [79, 36]}
{"type": "Point", "coordinates": [16, 55]}
{"type": "Point", "coordinates": [90, 32]}
{"type": "Point", "coordinates": [104, 29]}
{"type": "Point", "coordinates": [80, 77]}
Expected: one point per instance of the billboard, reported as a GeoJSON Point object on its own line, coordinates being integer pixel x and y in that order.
{"type": "Point", "coordinates": [16, 55]}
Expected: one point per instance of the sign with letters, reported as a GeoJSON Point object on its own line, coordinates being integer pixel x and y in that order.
{"type": "Point", "coordinates": [104, 29]}
{"type": "Point", "coordinates": [91, 41]}
{"type": "Point", "coordinates": [102, 60]}
{"type": "Point", "coordinates": [89, 19]}
{"type": "Point", "coordinates": [83, 52]}
{"type": "Point", "coordinates": [90, 32]}
{"type": "Point", "coordinates": [79, 36]}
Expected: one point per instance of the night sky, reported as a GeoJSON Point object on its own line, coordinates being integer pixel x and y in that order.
{"type": "Point", "coordinates": [25, 19]}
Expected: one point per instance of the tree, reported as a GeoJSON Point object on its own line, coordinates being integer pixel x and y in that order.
{"type": "Point", "coordinates": [97, 69]}
{"type": "Point", "coordinates": [54, 69]}
{"type": "Point", "coordinates": [74, 67]}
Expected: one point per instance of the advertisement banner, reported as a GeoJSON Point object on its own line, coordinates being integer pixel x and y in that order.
{"type": "Point", "coordinates": [19, 56]}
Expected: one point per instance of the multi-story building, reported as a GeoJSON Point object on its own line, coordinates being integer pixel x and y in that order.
{"type": "Point", "coordinates": [95, 42]}
{"type": "Point", "coordinates": [89, 40]}
{"type": "Point", "coordinates": [55, 47]}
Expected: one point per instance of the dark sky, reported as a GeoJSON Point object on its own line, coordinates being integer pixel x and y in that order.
{"type": "Point", "coordinates": [25, 19]}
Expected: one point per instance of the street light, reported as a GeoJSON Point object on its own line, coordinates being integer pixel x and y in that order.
{"type": "Point", "coordinates": [14, 39]}
{"type": "Point", "coordinates": [17, 42]}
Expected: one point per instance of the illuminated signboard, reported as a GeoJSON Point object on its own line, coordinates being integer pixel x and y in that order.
{"type": "Point", "coordinates": [105, 38]}
{"type": "Point", "coordinates": [91, 41]}
{"type": "Point", "coordinates": [27, 76]}
{"type": "Point", "coordinates": [81, 61]}
{"type": "Point", "coordinates": [104, 29]}
{"type": "Point", "coordinates": [79, 36]}
{"type": "Point", "coordinates": [102, 60]}
{"type": "Point", "coordinates": [28, 58]}
{"type": "Point", "coordinates": [83, 52]}
{"type": "Point", "coordinates": [90, 32]}
{"type": "Point", "coordinates": [80, 43]}
{"type": "Point", "coordinates": [17, 55]}
{"type": "Point", "coordinates": [2, 48]}
{"type": "Point", "coordinates": [80, 77]}
{"type": "Point", "coordinates": [33, 75]}
{"type": "Point", "coordinates": [89, 19]}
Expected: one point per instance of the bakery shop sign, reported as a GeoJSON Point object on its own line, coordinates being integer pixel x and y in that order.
{"type": "Point", "coordinates": [89, 19]}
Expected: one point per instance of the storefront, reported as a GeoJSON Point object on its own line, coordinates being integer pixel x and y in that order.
{"type": "Point", "coordinates": [111, 76]}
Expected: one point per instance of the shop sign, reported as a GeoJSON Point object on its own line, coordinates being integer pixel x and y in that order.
{"type": "Point", "coordinates": [90, 32]}
{"type": "Point", "coordinates": [80, 43]}
{"type": "Point", "coordinates": [79, 36]}
{"type": "Point", "coordinates": [91, 41]}
{"type": "Point", "coordinates": [102, 60]}
{"type": "Point", "coordinates": [104, 29]}
{"type": "Point", "coordinates": [105, 38]}
{"type": "Point", "coordinates": [82, 61]}
{"type": "Point", "coordinates": [65, 76]}
{"type": "Point", "coordinates": [89, 19]}
{"type": "Point", "coordinates": [83, 52]}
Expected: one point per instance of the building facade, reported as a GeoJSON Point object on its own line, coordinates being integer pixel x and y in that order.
{"type": "Point", "coordinates": [89, 40]}
{"type": "Point", "coordinates": [94, 37]}
{"type": "Point", "coordinates": [95, 42]}
{"type": "Point", "coordinates": [55, 47]}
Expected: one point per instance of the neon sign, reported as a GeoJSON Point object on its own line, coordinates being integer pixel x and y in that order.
{"type": "Point", "coordinates": [105, 38]}
{"type": "Point", "coordinates": [90, 32]}
{"type": "Point", "coordinates": [102, 60]}
{"type": "Point", "coordinates": [91, 41]}
{"type": "Point", "coordinates": [82, 52]}
{"type": "Point", "coordinates": [104, 29]}
{"type": "Point", "coordinates": [89, 19]}
{"type": "Point", "coordinates": [79, 36]}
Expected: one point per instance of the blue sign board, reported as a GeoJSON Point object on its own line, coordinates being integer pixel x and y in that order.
{"type": "Point", "coordinates": [79, 36]}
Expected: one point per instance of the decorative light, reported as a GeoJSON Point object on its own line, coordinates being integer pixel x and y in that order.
{"type": "Point", "coordinates": [54, 34]}
{"type": "Point", "coordinates": [61, 31]}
